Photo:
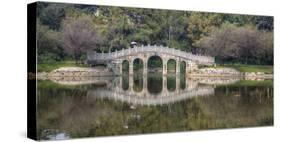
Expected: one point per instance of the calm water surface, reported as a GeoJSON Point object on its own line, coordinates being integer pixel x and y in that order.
{"type": "Point", "coordinates": [150, 104]}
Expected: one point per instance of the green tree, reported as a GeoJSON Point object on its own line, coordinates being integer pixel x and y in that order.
{"type": "Point", "coordinates": [52, 15]}
{"type": "Point", "coordinates": [113, 28]}
{"type": "Point", "coordinates": [264, 22]}
{"type": "Point", "coordinates": [49, 45]}
{"type": "Point", "coordinates": [237, 19]}
{"type": "Point", "coordinates": [201, 24]}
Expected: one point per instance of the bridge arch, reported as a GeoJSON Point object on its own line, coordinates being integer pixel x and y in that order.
{"type": "Point", "coordinates": [138, 69]}
{"type": "Point", "coordinates": [138, 65]}
{"type": "Point", "coordinates": [171, 65]}
{"type": "Point", "coordinates": [154, 62]}
{"type": "Point", "coordinates": [182, 76]}
{"type": "Point", "coordinates": [125, 66]}
{"type": "Point", "coordinates": [183, 66]}
{"type": "Point", "coordinates": [154, 70]}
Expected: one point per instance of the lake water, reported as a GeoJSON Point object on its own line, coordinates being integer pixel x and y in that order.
{"type": "Point", "coordinates": [105, 106]}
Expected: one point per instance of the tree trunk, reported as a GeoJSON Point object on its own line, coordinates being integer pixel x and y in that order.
{"type": "Point", "coordinates": [76, 57]}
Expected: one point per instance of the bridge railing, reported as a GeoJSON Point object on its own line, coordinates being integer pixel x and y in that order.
{"type": "Point", "coordinates": [149, 48]}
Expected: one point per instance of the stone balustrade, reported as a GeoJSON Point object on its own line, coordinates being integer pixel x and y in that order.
{"type": "Point", "coordinates": [199, 59]}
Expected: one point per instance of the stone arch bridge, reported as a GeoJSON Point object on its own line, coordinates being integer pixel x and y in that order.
{"type": "Point", "coordinates": [115, 59]}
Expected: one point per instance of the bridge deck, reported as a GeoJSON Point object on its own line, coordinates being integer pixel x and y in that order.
{"type": "Point", "coordinates": [199, 59]}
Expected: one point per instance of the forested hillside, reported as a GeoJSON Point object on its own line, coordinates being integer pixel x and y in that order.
{"type": "Point", "coordinates": [67, 32]}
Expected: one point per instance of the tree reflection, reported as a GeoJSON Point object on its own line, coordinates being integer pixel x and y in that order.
{"type": "Point", "coordinates": [73, 111]}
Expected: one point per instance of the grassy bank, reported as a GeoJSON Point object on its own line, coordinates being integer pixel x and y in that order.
{"type": "Point", "coordinates": [47, 67]}
{"type": "Point", "coordinates": [249, 68]}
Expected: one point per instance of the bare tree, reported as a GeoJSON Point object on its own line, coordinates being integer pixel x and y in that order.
{"type": "Point", "coordinates": [238, 43]}
{"type": "Point", "coordinates": [79, 36]}
{"type": "Point", "coordinates": [220, 43]}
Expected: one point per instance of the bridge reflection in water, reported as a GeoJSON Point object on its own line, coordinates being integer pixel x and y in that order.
{"type": "Point", "coordinates": [152, 89]}
{"type": "Point", "coordinates": [149, 104]}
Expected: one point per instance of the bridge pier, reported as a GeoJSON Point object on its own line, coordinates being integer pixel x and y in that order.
{"type": "Point", "coordinates": [164, 85]}
{"type": "Point", "coordinates": [164, 60]}
{"type": "Point", "coordinates": [120, 84]}
{"type": "Point", "coordinates": [131, 66]}
{"type": "Point", "coordinates": [144, 85]}
{"type": "Point", "coordinates": [178, 66]}
{"type": "Point", "coordinates": [120, 68]}
{"type": "Point", "coordinates": [177, 84]}
{"type": "Point", "coordinates": [131, 83]}
{"type": "Point", "coordinates": [145, 66]}
{"type": "Point", "coordinates": [186, 68]}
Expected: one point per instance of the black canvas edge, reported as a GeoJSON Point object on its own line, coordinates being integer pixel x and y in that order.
{"type": "Point", "coordinates": [31, 70]}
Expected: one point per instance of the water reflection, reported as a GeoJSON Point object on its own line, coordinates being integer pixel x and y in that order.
{"type": "Point", "coordinates": [171, 83]}
{"type": "Point", "coordinates": [152, 80]}
{"type": "Point", "coordinates": [54, 135]}
{"type": "Point", "coordinates": [182, 81]}
{"type": "Point", "coordinates": [156, 84]}
{"type": "Point", "coordinates": [125, 82]}
{"type": "Point", "coordinates": [148, 104]}
{"type": "Point", "coordinates": [138, 83]}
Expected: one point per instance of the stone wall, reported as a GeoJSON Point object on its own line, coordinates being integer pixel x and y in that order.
{"type": "Point", "coordinates": [216, 72]}
{"type": "Point", "coordinates": [257, 76]}
{"type": "Point", "coordinates": [75, 71]}
{"type": "Point", "coordinates": [191, 72]}
{"type": "Point", "coordinates": [229, 72]}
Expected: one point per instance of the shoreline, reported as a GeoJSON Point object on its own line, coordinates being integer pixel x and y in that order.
{"type": "Point", "coordinates": [200, 73]}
